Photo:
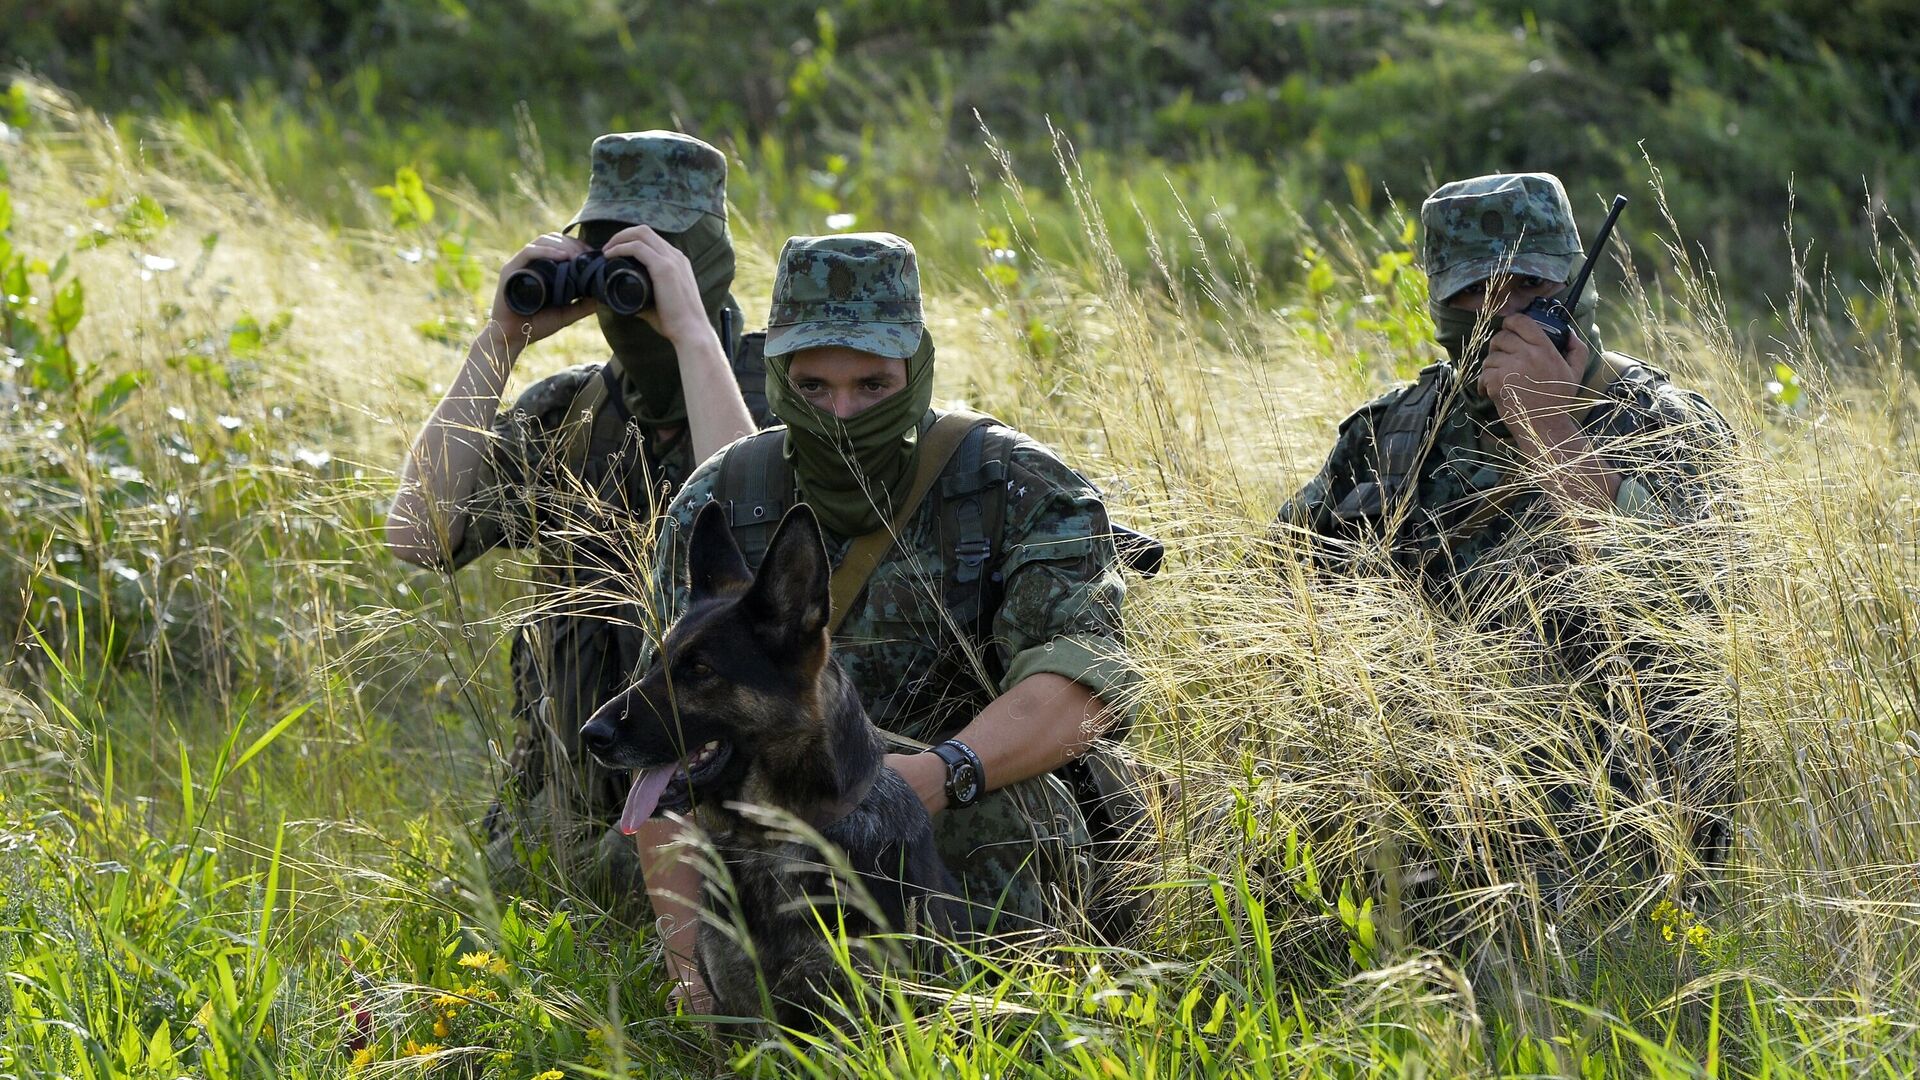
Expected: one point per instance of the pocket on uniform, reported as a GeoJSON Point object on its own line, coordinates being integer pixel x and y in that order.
{"type": "Point", "coordinates": [1364, 501]}
{"type": "Point", "coordinates": [905, 614]}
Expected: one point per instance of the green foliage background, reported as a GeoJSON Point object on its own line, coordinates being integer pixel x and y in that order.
{"type": "Point", "coordinates": [1248, 103]}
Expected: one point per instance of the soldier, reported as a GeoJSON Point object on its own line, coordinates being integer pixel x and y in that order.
{"type": "Point", "coordinates": [983, 620]}
{"type": "Point", "coordinates": [1476, 481]}
{"type": "Point", "coordinates": [581, 467]}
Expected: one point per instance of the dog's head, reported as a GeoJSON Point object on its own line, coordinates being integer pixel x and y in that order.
{"type": "Point", "coordinates": [741, 701]}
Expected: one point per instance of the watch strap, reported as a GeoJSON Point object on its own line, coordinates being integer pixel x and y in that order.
{"type": "Point", "coordinates": [960, 759]}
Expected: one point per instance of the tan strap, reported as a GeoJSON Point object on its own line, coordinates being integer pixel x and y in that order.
{"type": "Point", "coordinates": [582, 414]}
{"type": "Point", "coordinates": [937, 447]}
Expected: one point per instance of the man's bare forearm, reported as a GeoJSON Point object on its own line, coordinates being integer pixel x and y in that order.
{"type": "Point", "coordinates": [424, 523]}
{"type": "Point", "coordinates": [716, 413]}
{"type": "Point", "coordinates": [1570, 472]}
{"type": "Point", "coordinates": [673, 889]}
{"type": "Point", "coordinates": [1041, 724]}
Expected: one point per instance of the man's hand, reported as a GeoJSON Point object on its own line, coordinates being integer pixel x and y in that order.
{"type": "Point", "coordinates": [1538, 394]}
{"type": "Point", "coordinates": [926, 774]}
{"type": "Point", "coordinates": [523, 330]}
{"type": "Point", "coordinates": [1536, 389]}
{"type": "Point", "coordinates": [677, 310]}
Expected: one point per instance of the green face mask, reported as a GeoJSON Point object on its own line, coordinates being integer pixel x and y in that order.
{"type": "Point", "coordinates": [649, 367]}
{"type": "Point", "coordinates": [852, 471]}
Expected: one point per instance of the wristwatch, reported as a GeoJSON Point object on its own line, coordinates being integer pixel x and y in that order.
{"type": "Point", "coordinates": [966, 777]}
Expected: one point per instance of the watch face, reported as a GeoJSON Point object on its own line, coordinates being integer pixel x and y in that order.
{"type": "Point", "coordinates": [965, 785]}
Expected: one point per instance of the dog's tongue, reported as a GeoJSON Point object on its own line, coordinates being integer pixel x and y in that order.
{"type": "Point", "coordinates": [644, 796]}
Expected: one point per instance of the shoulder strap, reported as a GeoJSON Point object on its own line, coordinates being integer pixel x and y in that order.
{"type": "Point", "coordinates": [582, 414]}
{"type": "Point", "coordinates": [758, 487]}
{"type": "Point", "coordinates": [937, 447]}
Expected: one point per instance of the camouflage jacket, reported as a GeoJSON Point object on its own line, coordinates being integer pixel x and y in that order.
{"type": "Point", "coordinates": [924, 665]}
{"type": "Point", "coordinates": [1414, 476]}
{"type": "Point", "coordinates": [527, 493]}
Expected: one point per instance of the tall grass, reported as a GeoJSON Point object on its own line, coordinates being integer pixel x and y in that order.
{"type": "Point", "coordinates": [244, 748]}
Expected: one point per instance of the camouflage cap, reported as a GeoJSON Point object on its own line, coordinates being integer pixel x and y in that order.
{"type": "Point", "coordinates": [1517, 223]}
{"type": "Point", "coordinates": [658, 178]}
{"type": "Point", "coordinates": [860, 290]}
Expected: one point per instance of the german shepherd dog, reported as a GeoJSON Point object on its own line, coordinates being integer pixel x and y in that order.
{"type": "Point", "coordinates": [744, 706]}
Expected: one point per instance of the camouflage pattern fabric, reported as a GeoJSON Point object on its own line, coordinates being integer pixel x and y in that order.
{"type": "Point", "coordinates": [924, 672]}
{"type": "Point", "coordinates": [663, 178]}
{"type": "Point", "coordinates": [859, 290]}
{"type": "Point", "coordinates": [1485, 546]}
{"type": "Point", "coordinates": [594, 534]}
{"type": "Point", "coordinates": [1513, 223]}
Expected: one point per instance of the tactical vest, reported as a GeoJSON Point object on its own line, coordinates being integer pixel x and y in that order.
{"type": "Point", "coordinates": [1405, 427]}
{"type": "Point", "coordinates": [598, 415]}
{"type": "Point", "coordinates": [970, 502]}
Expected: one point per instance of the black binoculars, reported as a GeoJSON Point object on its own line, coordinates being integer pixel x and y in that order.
{"type": "Point", "coordinates": [620, 284]}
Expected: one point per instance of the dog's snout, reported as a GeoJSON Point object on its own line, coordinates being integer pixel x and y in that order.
{"type": "Point", "coordinates": [598, 735]}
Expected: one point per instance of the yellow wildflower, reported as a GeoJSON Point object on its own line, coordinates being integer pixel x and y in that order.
{"type": "Point", "coordinates": [484, 961]}
{"type": "Point", "coordinates": [441, 1030]}
{"type": "Point", "coordinates": [414, 1049]}
{"type": "Point", "coordinates": [1697, 936]}
{"type": "Point", "coordinates": [551, 1074]}
{"type": "Point", "coordinates": [362, 1058]}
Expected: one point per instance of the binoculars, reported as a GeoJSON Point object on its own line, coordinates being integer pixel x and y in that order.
{"type": "Point", "coordinates": [620, 284]}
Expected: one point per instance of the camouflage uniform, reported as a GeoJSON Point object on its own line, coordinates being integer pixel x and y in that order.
{"type": "Point", "coordinates": [960, 609]}
{"type": "Point", "coordinates": [1426, 480]}
{"type": "Point", "coordinates": [585, 492]}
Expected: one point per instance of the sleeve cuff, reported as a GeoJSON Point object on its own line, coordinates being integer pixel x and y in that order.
{"type": "Point", "coordinates": [1097, 663]}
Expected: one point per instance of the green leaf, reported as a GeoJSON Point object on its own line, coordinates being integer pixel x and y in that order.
{"type": "Point", "coordinates": [54, 368]}
{"type": "Point", "coordinates": [17, 288]}
{"type": "Point", "coordinates": [272, 733]}
{"type": "Point", "coordinates": [6, 209]}
{"type": "Point", "coordinates": [245, 337]}
{"type": "Point", "coordinates": [69, 305]}
{"type": "Point", "coordinates": [143, 217]}
{"type": "Point", "coordinates": [18, 115]}
{"type": "Point", "coordinates": [408, 204]}
{"type": "Point", "coordinates": [113, 395]}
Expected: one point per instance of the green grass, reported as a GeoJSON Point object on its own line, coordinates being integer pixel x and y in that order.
{"type": "Point", "coordinates": [243, 747]}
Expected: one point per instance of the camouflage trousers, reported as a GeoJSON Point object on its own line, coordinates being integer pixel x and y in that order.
{"type": "Point", "coordinates": [1022, 855]}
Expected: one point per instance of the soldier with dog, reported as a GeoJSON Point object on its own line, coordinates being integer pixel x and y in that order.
{"type": "Point", "coordinates": [976, 596]}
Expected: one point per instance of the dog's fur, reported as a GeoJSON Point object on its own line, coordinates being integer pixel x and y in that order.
{"type": "Point", "coordinates": [749, 665]}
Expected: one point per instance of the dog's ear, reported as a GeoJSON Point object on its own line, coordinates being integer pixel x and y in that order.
{"type": "Point", "coordinates": [790, 592]}
{"type": "Point", "coordinates": [715, 566]}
